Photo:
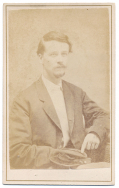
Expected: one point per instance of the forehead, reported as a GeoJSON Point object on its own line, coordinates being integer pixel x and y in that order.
{"type": "Point", "coordinates": [56, 46]}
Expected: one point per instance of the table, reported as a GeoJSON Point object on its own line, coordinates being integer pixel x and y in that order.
{"type": "Point", "coordinates": [94, 165]}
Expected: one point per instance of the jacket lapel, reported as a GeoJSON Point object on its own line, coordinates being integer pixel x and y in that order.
{"type": "Point", "coordinates": [47, 102]}
{"type": "Point", "coordinates": [69, 102]}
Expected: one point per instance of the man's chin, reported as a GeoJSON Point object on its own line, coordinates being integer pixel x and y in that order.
{"type": "Point", "coordinates": [59, 75]}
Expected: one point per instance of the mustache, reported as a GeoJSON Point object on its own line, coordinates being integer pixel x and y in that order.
{"type": "Point", "coordinates": [61, 66]}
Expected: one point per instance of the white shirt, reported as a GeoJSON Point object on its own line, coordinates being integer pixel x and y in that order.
{"type": "Point", "coordinates": [56, 94]}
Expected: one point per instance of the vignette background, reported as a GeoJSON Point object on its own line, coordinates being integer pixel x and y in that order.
{"type": "Point", "coordinates": [89, 63]}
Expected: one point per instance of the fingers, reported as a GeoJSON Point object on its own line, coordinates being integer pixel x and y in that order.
{"type": "Point", "coordinates": [88, 146]}
{"type": "Point", "coordinates": [91, 142]}
{"type": "Point", "coordinates": [84, 146]}
{"type": "Point", "coordinates": [92, 146]}
{"type": "Point", "coordinates": [96, 146]}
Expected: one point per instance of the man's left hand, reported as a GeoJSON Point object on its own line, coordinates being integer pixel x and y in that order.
{"type": "Point", "coordinates": [91, 141]}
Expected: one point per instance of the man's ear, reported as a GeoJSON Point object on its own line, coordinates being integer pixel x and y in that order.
{"type": "Point", "coordinates": [41, 56]}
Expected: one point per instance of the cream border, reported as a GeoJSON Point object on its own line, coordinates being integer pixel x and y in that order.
{"type": "Point", "coordinates": [5, 181]}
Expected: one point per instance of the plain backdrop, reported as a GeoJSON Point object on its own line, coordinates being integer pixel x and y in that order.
{"type": "Point", "coordinates": [88, 31]}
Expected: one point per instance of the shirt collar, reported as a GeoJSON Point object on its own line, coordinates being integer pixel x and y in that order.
{"type": "Point", "coordinates": [50, 85]}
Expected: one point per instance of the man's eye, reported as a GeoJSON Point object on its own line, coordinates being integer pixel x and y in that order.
{"type": "Point", "coordinates": [53, 54]}
{"type": "Point", "coordinates": [64, 54]}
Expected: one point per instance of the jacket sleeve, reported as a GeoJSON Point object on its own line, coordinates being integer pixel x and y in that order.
{"type": "Point", "coordinates": [24, 154]}
{"type": "Point", "coordinates": [96, 119]}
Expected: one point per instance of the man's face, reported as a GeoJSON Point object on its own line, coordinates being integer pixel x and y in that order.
{"type": "Point", "coordinates": [55, 58]}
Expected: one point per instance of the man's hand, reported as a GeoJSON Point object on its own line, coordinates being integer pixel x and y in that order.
{"type": "Point", "coordinates": [91, 141]}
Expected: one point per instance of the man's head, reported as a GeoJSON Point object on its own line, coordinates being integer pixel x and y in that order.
{"type": "Point", "coordinates": [53, 50]}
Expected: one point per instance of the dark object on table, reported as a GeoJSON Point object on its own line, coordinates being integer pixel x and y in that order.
{"type": "Point", "coordinates": [68, 157]}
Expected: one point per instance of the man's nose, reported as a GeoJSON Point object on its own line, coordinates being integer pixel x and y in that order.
{"type": "Point", "coordinates": [60, 59]}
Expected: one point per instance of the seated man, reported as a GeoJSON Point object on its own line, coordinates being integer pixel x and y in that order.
{"type": "Point", "coordinates": [48, 115]}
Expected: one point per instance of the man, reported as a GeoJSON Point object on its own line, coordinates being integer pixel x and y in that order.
{"type": "Point", "coordinates": [48, 115]}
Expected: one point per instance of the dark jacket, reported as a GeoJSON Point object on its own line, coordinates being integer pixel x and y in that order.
{"type": "Point", "coordinates": [35, 128]}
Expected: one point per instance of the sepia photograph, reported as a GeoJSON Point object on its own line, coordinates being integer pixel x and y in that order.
{"type": "Point", "coordinates": [59, 94]}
